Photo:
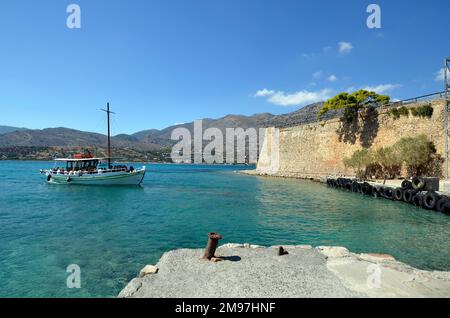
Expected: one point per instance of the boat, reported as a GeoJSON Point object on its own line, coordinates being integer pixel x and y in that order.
{"type": "Point", "coordinates": [87, 170]}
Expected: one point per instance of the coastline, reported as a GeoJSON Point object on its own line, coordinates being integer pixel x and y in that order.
{"type": "Point", "coordinates": [444, 186]}
{"type": "Point", "coordinates": [252, 271]}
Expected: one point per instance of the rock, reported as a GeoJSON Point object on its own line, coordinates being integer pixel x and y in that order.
{"type": "Point", "coordinates": [148, 270]}
{"type": "Point", "coordinates": [248, 245]}
{"type": "Point", "coordinates": [305, 247]}
{"type": "Point", "coordinates": [333, 251]}
{"type": "Point", "coordinates": [131, 288]}
{"type": "Point", "coordinates": [375, 257]}
{"type": "Point", "coordinates": [231, 245]}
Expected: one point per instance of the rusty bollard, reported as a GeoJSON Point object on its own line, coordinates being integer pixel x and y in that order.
{"type": "Point", "coordinates": [213, 241]}
{"type": "Point", "coordinates": [282, 251]}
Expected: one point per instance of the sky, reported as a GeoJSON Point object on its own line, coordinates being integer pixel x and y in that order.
{"type": "Point", "coordinates": [166, 62]}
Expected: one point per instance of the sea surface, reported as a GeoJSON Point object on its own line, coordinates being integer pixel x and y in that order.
{"type": "Point", "coordinates": [112, 232]}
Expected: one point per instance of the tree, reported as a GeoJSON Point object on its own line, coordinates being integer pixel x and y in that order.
{"type": "Point", "coordinates": [352, 103]}
{"type": "Point", "coordinates": [418, 153]}
{"type": "Point", "coordinates": [389, 160]}
{"type": "Point", "coordinates": [359, 161]}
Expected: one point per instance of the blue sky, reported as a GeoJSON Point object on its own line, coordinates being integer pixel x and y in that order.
{"type": "Point", "coordinates": [172, 61]}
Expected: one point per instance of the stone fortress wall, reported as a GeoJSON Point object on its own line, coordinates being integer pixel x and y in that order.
{"type": "Point", "coordinates": [316, 150]}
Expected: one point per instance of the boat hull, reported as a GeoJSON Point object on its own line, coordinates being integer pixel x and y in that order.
{"type": "Point", "coordinates": [112, 178]}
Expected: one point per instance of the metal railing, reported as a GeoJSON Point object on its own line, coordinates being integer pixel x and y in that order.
{"type": "Point", "coordinates": [427, 97]}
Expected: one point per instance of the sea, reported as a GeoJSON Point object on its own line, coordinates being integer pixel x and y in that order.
{"type": "Point", "coordinates": [109, 233]}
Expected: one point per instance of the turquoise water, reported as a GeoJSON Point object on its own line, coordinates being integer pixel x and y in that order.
{"type": "Point", "coordinates": [111, 233]}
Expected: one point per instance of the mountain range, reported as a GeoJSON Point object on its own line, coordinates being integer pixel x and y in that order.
{"type": "Point", "coordinates": [152, 139]}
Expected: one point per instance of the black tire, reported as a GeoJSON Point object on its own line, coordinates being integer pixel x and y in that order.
{"type": "Point", "coordinates": [430, 200]}
{"type": "Point", "coordinates": [359, 187]}
{"type": "Point", "coordinates": [398, 194]}
{"type": "Point", "coordinates": [408, 195]}
{"type": "Point", "coordinates": [406, 185]}
{"type": "Point", "coordinates": [366, 189]}
{"type": "Point", "coordinates": [348, 186]}
{"type": "Point", "coordinates": [388, 193]}
{"type": "Point", "coordinates": [375, 192]}
{"type": "Point", "coordinates": [354, 186]}
{"type": "Point", "coordinates": [417, 200]}
{"type": "Point", "coordinates": [446, 207]}
{"type": "Point", "coordinates": [443, 200]}
{"type": "Point", "coordinates": [417, 183]}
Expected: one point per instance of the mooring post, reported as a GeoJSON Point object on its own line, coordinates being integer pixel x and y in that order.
{"type": "Point", "coordinates": [282, 251]}
{"type": "Point", "coordinates": [213, 241]}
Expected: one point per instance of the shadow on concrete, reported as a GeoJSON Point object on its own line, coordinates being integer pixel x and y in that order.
{"type": "Point", "coordinates": [234, 258]}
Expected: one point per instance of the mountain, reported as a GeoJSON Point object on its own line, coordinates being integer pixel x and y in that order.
{"type": "Point", "coordinates": [162, 137]}
{"type": "Point", "coordinates": [152, 139]}
{"type": "Point", "coordinates": [8, 129]}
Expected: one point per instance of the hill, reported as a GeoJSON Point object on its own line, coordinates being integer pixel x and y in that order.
{"type": "Point", "coordinates": [151, 139]}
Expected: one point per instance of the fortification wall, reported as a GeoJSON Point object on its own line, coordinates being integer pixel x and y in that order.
{"type": "Point", "coordinates": [317, 150]}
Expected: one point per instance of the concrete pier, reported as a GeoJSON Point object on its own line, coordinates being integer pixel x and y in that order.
{"type": "Point", "coordinates": [252, 271]}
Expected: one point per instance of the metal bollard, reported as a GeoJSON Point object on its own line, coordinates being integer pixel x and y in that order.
{"type": "Point", "coordinates": [213, 241]}
{"type": "Point", "coordinates": [282, 251]}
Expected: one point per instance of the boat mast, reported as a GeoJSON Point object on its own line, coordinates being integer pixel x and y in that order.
{"type": "Point", "coordinates": [109, 134]}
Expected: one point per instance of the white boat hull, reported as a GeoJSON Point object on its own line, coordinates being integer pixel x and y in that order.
{"type": "Point", "coordinates": [107, 178]}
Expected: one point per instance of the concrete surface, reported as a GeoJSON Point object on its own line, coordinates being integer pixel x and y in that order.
{"type": "Point", "coordinates": [253, 271]}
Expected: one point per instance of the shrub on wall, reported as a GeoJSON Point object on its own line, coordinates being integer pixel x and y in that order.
{"type": "Point", "coordinates": [397, 112]}
{"type": "Point", "coordinates": [425, 111]}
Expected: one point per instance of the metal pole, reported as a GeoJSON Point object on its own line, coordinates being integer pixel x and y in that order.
{"type": "Point", "coordinates": [109, 137]}
{"type": "Point", "coordinates": [213, 241]}
{"type": "Point", "coordinates": [446, 116]}
{"type": "Point", "coordinates": [108, 112]}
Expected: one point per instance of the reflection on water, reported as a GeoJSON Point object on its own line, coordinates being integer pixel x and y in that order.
{"type": "Point", "coordinates": [113, 232]}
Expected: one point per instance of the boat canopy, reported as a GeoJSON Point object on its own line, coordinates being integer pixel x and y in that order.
{"type": "Point", "coordinates": [81, 159]}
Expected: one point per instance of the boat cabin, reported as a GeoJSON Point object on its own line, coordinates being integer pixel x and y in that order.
{"type": "Point", "coordinates": [90, 164]}
{"type": "Point", "coordinates": [87, 165]}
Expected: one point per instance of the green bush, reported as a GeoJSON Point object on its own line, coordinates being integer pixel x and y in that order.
{"type": "Point", "coordinates": [359, 161]}
{"type": "Point", "coordinates": [418, 154]}
{"type": "Point", "coordinates": [389, 160]}
{"type": "Point", "coordinates": [397, 112]}
{"type": "Point", "coordinates": [422, 111]}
